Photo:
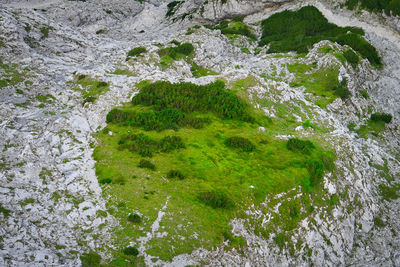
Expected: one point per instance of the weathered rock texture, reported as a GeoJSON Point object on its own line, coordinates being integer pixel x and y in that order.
{"type": "Point", "coordinates": [47, 175]}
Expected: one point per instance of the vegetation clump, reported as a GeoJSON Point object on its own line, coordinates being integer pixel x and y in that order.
{"type": "Point", "coordinates": [176, 174]}
{"type": "Point", "coordinates": [134, 218]}
{"type": "Point", "coordinates": [91, 88]}
{"type": "Point", "coordinates": [146, 146]}
{"type": "Point", "coordinates": [90, 259]}
{"type": "Point", "coordinates": [135, 52]}
{"type": "Point", "coordinates": [215, 199]}
{"type": "Point", "coordinates": [385, 117]}
{"type": "Point", "coordinates": [390, 7]}
{"type": "Point", "coordinates": [298, 30]}
{"type": "Point", "coordinates": [298, 145]}
{"type": "Point", "coordinates": [189, 98]}
{"type": "Point", "coordinates": [146, 165]}
{"type": "Point", "coordinates": [351, 57]}
{"type": "Point", "coordinates": [241, 143]}
{"type": "Point", "coordinates": [172, 7]}
{"type": "Point", "coordinates": [235, 26]}
{"type": "Point", "coordinates": [177, 52]}
{"type": "Point", "coordinates": [131, 251]}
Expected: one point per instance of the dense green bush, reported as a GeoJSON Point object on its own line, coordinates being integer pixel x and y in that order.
{"type": "Point", "coordinates": [131, 251]}
{"type": "Point", "coordinates": [241, 143]}
{"type": "Point", "coordinates": [389, 6]}
{"type": "Point", "coordinates": [386, 118]}
{"type": "Point", "coordinates": [146, 165]}
{"type": "Point", "coordinates": [134, 218]}
{"type": "Point", "coordinates": [298, 145]}
{"type": "Point", "coordinates": [189, 97]}
{"type": "Point", "coordinates": [300, 30]}
{"type": "Point", "coordinates": [359, 44]}
{"type": "Point", "coordinates": [215, 199]}
{"type": "Point", "coordinates": [176, 174]}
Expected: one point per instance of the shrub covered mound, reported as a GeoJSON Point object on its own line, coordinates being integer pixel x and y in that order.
{"type": "Point", "coordinates": [209, 174]}
{"type": "Point", "coordinates": [300, 30]}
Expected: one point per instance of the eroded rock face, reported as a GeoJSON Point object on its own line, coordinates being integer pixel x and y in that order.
{"type": "Point", "coordinates": [48, 182]}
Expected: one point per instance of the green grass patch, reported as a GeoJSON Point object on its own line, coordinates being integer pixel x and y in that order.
{"type": "Point", "coordinates": [135, 52]}
{"type": "Point", "coordinates": [91, 88]}
{"type": "Point", "coordinates": [235, 27]}
{"type": "Point", "coordinates": [219, 181]}
{"type": "Point", "coordinates": [199, 71]}
{"type": "Point", "coordinates": [323, 83]}
{"type": "Point", "coordinates": [10, 75]}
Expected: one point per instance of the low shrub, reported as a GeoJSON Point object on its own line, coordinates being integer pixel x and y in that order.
{"type": "Point", "coordinates": [341, 90]}
{"type": "Point", "coordinates": [176, 174]}
{"type": "Point", "coordinates": [131, 251]}
{"type": "Point", "coordinates": [385, 117]}
{"type": "Point", "coordinates": [105, 181]}
{"type": "Point", "coordinates": [170, 143]}
{"type": "Point", "coordinates": [146, 164]}
{"type": "Point", "coordinates": [215, 199]}
{"type": "Point", "coordinates": [134, 218]}
{"type": "Point", "coordinates": [391, 7]}
{"type": "Point", "coordinates": [298, 145]}
{"type": "Point", "coordinates": [241, 143]}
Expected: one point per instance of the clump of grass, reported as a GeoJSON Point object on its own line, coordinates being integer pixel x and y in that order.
{"type": "Point", "coordinates": [135, 52]}
{"type": "Point", "coordinates": [131, 251]}
{"type": "Point", "coordinates": [199, 71]}
{"type": "Point", "coordinates": [6, 212]}
{"type": "Point", "coordinates": [240, 143]}
{"type": "Point", "coordinates": [385, 117]}
{"type": "Point", "coordinates": [215, 199]}
{"type": "Point", "coordinates": [134, 218]}
{"type": "Point", "coordinates": [389, 192]}
{"type": "Point", "coordinates": [45, 31]}
{"type": "Point", "coordinates": [177, 52]}
{"type": "Point", "coordinates": [101, 31]}
{"type": "Point", "coordinates": [91, 88]}
{"type": "Point", "coordinates": [298, 145]}
{"type": "Point", "coordinates": [146, 165]}
{"type": "Point", "coordinates": [176, 174]}
{"type": "Point", "coordinates": [235, 26]}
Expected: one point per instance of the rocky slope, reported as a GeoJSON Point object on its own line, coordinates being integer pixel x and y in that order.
{"type": "Point", "coordinates": [52, 207]}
